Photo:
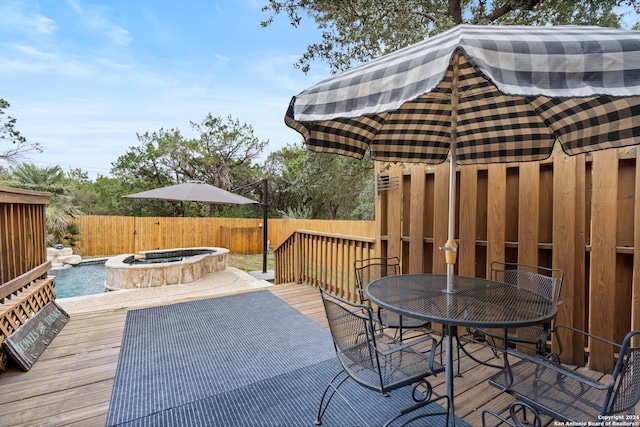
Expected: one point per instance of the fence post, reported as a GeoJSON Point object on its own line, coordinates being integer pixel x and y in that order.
{"type": "Point", "coordinates": [602, 304]}
{"type": "Point", "coordinates": [568, 249]}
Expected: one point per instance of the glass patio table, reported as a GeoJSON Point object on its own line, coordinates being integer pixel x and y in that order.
{"type": "Point", "coordinates": [475, 302]}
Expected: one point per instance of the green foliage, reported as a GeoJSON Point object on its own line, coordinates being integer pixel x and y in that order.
{"type": "Point", "coordinates": [47, 178]}
{"type": "Point", "coordinates": [62, 206]}
{"type": "Point", "coordinates": [356, 31]}
{"type": "Point", "coordinates": [221, 155]}
{"type": "Point", "coordinates": [13, 146]}
{"type": "Point", "coordinates": [313, 185]}
{"type": "Point", "coordinates": [61, 231]}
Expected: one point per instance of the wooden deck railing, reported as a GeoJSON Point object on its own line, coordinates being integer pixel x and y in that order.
{"type": "Point", "coordinates": [324, 259]}
{"type": "Point", "coordinates": [24, 286]}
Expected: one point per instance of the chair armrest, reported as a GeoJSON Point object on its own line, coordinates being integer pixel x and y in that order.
{"type": "Point", "coordinates": [408, 344]}
{"type": "Point", "coordinates": [595, 337]}
{"type": "Point", "coordinates": [590, 382]}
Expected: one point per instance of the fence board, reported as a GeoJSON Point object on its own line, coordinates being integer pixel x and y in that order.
{"type": "Point", "coordinates": [496, 228]}
{"type": "Point", "coordinates": [603, 256]}
{"type": "Point", "coordinates": [416, 215]}
{"type": "Point", "coordinates": [440, 216]}
{"type": "Point", "coordinates": [529, 213]}
{"type": "Point", "coordinates": [394, 214]}
{"type": "Point", "coordinates": [468, 217]}
{"type": "Point", "coordinates": [568, 251]}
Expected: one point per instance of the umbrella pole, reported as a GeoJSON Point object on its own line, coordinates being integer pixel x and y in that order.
{"type": "Point", "coordinates": [451, 248]}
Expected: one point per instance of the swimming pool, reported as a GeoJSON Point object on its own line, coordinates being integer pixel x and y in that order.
{"type": "Point", "coordinates": [86, 278]}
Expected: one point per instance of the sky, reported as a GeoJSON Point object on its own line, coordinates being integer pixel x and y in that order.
{"type": "Point", "coordinates": [84, 77]}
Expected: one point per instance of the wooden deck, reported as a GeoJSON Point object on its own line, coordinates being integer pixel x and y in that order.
{"type": "Point", "coordinates": [70, 385]}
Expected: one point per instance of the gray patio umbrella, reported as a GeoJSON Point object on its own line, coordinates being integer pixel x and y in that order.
{"type": "Point", "coordinates": [193, 191]}
{"type": "Point", "coordinates": [480, 94]}
{"type": "Point", "coordinates": [196, 191]}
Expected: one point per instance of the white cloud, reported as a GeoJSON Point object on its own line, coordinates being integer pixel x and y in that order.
{"type": "Point", "coordinates": [42, 24]}
{"type": "Point", "coordinates": [95, 18]}
{"type": "Point", "coordinates": [30, 50]}
{"type": "Point", "coordinates": [18, 21]}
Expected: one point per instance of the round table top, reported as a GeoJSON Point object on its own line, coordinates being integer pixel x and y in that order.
{"type": "Point", "coordinates": [477, 302]}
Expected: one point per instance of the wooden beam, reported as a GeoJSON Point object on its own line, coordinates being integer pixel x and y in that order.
{"type": "Point", "coordinates": [25, 197]}
{"type": "Point", "coordinates": [468, 217]}
{"type": "Point", "coordinates": [568, 249]}
{"type": "Point", "coordinates": [603, 257]}
{"type": "Point", "coordinates": [440, 216]}
{"type": "Point", "coordinates": [416, 227]}
{"type": "Point", "coordinates": [394, 225]}
{"type": "Point", "coordinates": [529, 213]}
{"type": "Point", "coordinates": [496, 217]}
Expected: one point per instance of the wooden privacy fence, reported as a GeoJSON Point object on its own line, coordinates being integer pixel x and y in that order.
{"type": "Point", "coordinates": [24, 286]}
{"type": "Point", "coordinates": [580, 214]}
{"type": "Point", "coordinates": [113, 235]}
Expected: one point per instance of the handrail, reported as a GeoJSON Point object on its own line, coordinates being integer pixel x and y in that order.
{"type": "Point", "coordinates": [322, 259]}
{"type": "Point", "coordinates": [24, 280]}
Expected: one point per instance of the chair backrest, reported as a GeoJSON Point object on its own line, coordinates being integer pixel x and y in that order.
{"type": "Point", "coordinates": [625, 393]}
{"type": "Point", "coordinates": [370, 269]}
{"type": "Point", "coordinates": [351, 327]}
{"type": "Point", "coordinates": [543, 281]}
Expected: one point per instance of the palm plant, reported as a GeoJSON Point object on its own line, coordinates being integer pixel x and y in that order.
{"type": "Point", "coordinates": [60, 229]}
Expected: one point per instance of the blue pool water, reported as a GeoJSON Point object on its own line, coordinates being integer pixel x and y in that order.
{"type": "Point", "coordinates": [83, 279]}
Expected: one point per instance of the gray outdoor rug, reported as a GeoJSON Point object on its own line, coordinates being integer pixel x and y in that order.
{"type": "Point", "coordinates": [242, 360]}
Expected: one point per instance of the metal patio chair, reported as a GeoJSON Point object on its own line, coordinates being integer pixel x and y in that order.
{"type": "Point", "coordinates": [369, 269]}
{"type": "Point", "coordinates": [539, 280]}
{"type": "Point", "coordinates": [377, 361]}
{"type": "Point", "coordinates": [547, 387]}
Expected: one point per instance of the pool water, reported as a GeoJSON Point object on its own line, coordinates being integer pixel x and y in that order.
{"type": "Point", "coordinates": [83, 279]}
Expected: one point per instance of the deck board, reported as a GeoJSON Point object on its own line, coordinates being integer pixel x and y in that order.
{"type": "Point", "coordinates": [71, 383]}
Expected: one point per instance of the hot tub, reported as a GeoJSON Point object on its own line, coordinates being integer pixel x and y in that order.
{"type": "Point", "coordinates": [163, 267]}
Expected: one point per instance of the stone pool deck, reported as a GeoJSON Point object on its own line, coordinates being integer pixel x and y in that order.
{"type": "Point", "coordinates": [229, 280]}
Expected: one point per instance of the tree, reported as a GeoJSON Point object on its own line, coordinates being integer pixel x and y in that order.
{"type": "Point", "coordinates": [13, 146]}
{"type": "Point", "coordinates": [221, 155]}
{"type": "Point", "coordinates": [47, 178]}
{"type": "Point", "coordinates": [356, 31]}
{"type": "Point", "coordinates": [319, 185]}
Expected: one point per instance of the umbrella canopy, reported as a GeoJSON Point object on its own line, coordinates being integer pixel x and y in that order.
{"type": "Point", "coordinates": [193, 192]}
{"type": "Point", "coordinates": [515, 90]}
{"type": "Point", "coordinates": [481, 94]}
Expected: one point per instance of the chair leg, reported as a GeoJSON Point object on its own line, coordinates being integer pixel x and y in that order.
{"type": "Point", "coordinates": [334, 388]}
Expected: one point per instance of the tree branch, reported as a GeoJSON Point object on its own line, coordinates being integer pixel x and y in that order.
{"type": "Point", "coordinates": [511, 6]}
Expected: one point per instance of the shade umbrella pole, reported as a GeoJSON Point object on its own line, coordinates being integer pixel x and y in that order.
{"type": "Point", "coordinates": [451, 247]}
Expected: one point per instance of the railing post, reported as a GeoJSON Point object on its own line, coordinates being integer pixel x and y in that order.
{"type": "Point", "coordinates": [297, 258]}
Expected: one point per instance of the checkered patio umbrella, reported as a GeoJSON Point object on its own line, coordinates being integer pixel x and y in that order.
{"type": "Point", "coordinates": [481, 94]}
